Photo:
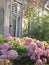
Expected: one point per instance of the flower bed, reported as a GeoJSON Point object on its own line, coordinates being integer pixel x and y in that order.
{"type": "Point", "coordinates": [24, 51]}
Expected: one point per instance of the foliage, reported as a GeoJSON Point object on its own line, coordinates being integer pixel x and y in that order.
{"type": "Point", "coordinates": [20, 49]}
{"type": "Point", "coordinates": [2, 40]}
{"type": "Point", "coordinates": [22, 40]}
{"type": "Point", "coordinates": [38, 26]}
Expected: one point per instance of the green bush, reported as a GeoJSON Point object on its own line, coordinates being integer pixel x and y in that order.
{"type": "Point", "coordinates": [38, 26]}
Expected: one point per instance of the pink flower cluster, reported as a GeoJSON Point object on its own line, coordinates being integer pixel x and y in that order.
{"type": "Point", "coordinates": [6, 53]}
{"type": "Point", "coordinates": [37, 51]}
{"type": "Point", "coordinates": [8, 37]}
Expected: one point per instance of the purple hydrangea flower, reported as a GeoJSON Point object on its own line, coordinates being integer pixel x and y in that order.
{"type": "Point", "coordinates": [12, 54]}
{"type": "Point", "coordinates": [0, 47]}
{"type": "Point", "coordinates": [39, 44]}
{"type": "Point", "coordinates": [3, 57]}
{"type": "Point", "coordinates": [5, 46]}
{"type": "Point", "coordinates": [4, 51]}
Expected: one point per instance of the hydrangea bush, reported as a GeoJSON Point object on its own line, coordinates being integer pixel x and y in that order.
{"type": "Point", "coordinates": [25, 51]}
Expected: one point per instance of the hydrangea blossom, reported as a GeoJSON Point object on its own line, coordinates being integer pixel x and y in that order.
{"type": "Point", "coordinates": [9, 37]}
{"type": "Point", "coordinates": [33, 46]}
{"type": "Point", "coordinates": [28, 41]}
{"type": "Point", "coordinates": [4, 51]}
{"type": "Point", "coordinates": [30, 52]}
{"type": "Point", "coordinates": [47, 52]}
{"type": "Point", "coordinates": [39, 51]}
{"type": "Point", "coordinates": [39, 62]}
{"type": "Point", "coordinates": [3, 57]}
{"type": "Point", "coordinates": [12, 54]}
{"type": "Point", "coordinates": [0, 47]}
{"type": "Point", "coordinates": [47, 48]}
{"type": "Point", "coordinates": [5, 46]}
{"type": "Point", "coordinates": [39, 44]}
{"type": "Point", "coordinates": [44, 60]}
{"type": "Point", "coordinates": [44, 53]}
{"type": "Point", "coordinates": [17, 40]}
{"type": "Point", "coordinates": [32, 57]}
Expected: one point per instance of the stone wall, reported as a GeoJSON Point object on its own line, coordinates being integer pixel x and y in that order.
{"type": "Point", "coordinates": [1, 20]}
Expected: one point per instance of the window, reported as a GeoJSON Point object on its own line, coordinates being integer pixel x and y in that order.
{"type": "Point", "coordinates": [47, 5]}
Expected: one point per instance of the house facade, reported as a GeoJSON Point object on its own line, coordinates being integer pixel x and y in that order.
{"type": "Point", "coordinates": [11, 15]}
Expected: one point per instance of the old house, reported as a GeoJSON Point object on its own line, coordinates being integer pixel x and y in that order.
{"type": "Point", "coordinates": [10, 17]}
{"type": "Point", "coordinates": [11, 14]}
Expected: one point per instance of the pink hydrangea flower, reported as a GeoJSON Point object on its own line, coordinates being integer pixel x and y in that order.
{"type": "Point", "coordinates": [39, 51]}
{"type": "Point", "coordinates": [18, 40]}
{"type": "Point", "coordinates": [44, 60]}
{"type": "Point", "coordinates": [4, 51]}
{"type": "Point", "coordinates": [33, 46]}
{"type": "Point", "coordinates": [28, 41]}
{"type": "Point", "coordinates": [37, 56]}
{"type": "Point", "coordinates": [12, 54]}
{"type": "Point", "coordinates": [25, 38]}
{"type": "Point", "coordinates": [47, 51]}
{"type": "Point", "coordinates": [5, 46]}
{"type": "Point", "coordinates": [44, 53]}
{"type": "Point", "coordinates": [32, 57]}
{"type": "Point", "coordinates": [47, 47]}
{"type": "Point", "coordinates": [39, 62]}
{"type": "Point", "coordinates": [9, 37]}
{"type": "Point", "coordinates": [0, 47]}
{"type": "Point", "coordinates": [30, 52]}
{"type": "Point", "coordinates": [3, 57]}
{"type": "Point", "coordinates": [39, 44]}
